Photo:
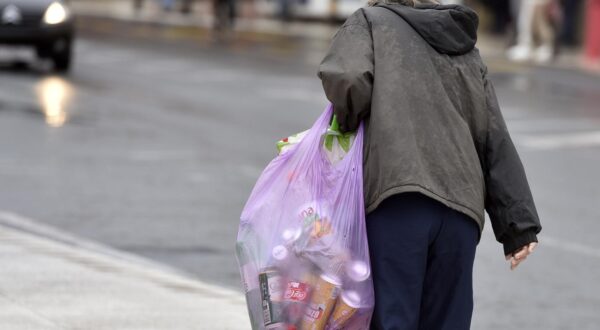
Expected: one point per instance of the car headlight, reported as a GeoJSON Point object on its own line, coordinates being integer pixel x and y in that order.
{"type": "Point", "coordinates": [56, 13]}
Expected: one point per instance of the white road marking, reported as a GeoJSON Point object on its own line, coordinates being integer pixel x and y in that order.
{"type": "Point", "coordinates": [560, 141]}
{"type": "Point", "coordinates": [552, 125]}
{"type": "Point", "coordinates": [570, 246]}
{"type": "Point", "coordinates": [560, 244]}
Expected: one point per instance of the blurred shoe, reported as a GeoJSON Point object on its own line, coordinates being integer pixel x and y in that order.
{"type": "Point", "coordinates": [544, 54]}
{"type": "Point", "coordinates": [519, 53]}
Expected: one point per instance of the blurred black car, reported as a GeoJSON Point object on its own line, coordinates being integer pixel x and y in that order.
{"type": "Point", "coordinates": [46, 25]}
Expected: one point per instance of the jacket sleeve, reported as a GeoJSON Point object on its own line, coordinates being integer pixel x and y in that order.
{"type": "Point", "coordinates": [347, 72]}
{"type": "Point", "coordinates": [508, 201]}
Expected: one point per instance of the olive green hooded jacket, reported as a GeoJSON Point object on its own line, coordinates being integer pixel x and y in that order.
{"type": "Point", "coordinates": [432, 120]}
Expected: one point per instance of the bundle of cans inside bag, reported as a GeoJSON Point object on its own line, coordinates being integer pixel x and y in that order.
{"type": "Point", "coordinates": [302, 244]}
{"type": "Point", "coordinates": [305, 277]}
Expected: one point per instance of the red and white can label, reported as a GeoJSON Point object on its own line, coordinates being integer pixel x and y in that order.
{"type": "Point", "coordinates": [296, 291]}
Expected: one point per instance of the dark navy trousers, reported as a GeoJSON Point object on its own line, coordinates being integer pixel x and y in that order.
{"type": "Point", "coordinates": [422, 255]}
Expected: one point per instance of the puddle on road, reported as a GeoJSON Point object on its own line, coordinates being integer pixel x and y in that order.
{"type": "Point", "coordinates": [54, 95]}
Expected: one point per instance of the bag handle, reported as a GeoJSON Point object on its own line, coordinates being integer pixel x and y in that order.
{"type": "Point", "coordinates": [312, 142]}
{"type": "Point", "coordinates": [344, 139]}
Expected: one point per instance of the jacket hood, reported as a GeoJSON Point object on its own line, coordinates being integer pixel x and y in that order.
{"type": "Point", "coordinates": [449, 29]}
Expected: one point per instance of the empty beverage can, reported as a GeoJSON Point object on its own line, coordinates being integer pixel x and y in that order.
{"type": "Point", "coordinates": [271, 292]}
{"type": "Point", "coordinates": [322, 302]}
{"type": "Point", "coordinates": [296, 299]}
{"type": "Point", "coordinates": [345, 309]}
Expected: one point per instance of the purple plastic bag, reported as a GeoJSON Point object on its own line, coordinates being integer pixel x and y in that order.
{"type": "Point", "coordinates": [302, 242]}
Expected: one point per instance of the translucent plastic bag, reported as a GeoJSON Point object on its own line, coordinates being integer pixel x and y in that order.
{"type": "Point", "coordinates": [336, 144]}
{"type": "Point", "coordinates": [302, 244]}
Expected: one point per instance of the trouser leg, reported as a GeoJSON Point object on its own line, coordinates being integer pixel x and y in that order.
{"type": "Point", "coordinates": [447, 300]}
{"type": "Point", "coordinates": [399, 231]}
{"type": "Point", "coordinates": [542, 25]}
{"type": "Point", "coordinates": [525, 24]}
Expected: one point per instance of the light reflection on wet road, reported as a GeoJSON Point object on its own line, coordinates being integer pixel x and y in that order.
{"type": "Point", "coordinates": [54, 95]}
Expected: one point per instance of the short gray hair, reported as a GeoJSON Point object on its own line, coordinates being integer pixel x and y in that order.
{"type": "Point", "coordinates": [410, 3]}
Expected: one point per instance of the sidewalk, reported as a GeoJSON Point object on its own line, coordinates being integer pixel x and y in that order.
{"type": "Point", "coordinates": [250, 27]}
{"type": "Point", "coordinates": [50, 280]}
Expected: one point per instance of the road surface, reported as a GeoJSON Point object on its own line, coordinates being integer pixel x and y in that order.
{"type": "Point", "coordinates": [153, 147]}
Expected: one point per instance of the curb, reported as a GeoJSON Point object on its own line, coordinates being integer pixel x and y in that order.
{"type": "Point", "coordinates": [171, 30]}
{"type": "Point", "coordinates": [99, 254]}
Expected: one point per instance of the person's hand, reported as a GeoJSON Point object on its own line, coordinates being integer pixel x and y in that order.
{"type": "Point", "coordinates": [520, 255]}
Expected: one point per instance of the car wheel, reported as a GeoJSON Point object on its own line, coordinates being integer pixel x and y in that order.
{"type": "Point", "coordinates": [62, 59]}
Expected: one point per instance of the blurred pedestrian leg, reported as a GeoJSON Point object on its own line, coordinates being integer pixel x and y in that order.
{"type": "Point", "coordinates": [168, 4]}
{"type": "Point", "coordinates": [502, 14]}
{"type": "Point", "coordinates": [592, 34]}
{"type": "Point", "coordinates": [568, 35]}
{"type": "Point", "coordinates": [138, 4]}
{"type": "Point", "coordinates": [522, 50]}
{"type": "Point", "coordinates": [224, 12]}
{"type": "Point", "coordinates": [534, 23]}
{"type": "Point", "coordinates": [544, 31]}
{"type": "Point", "coordinates": [186, 6]}
{"type": "Point", "coordinates": [285, 11]}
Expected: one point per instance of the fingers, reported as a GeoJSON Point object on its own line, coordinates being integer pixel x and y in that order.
{"type": "Point", "coordinates": [515, 262]}
{"type": "Point", "coordinates": [523, 252]}
{"type": "Point", "coordinates": [532, 246]}
{"type": "Point", "coordinates": [520, 255]}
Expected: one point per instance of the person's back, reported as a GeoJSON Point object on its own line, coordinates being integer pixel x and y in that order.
{"type": "Point", "coordinates": [433, 128]}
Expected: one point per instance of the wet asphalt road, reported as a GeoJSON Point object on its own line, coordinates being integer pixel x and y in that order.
{"type": "Point", "coordinates": [153, 148]}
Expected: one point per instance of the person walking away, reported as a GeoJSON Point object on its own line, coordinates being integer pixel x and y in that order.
{"type": "Point", "coordinates": [224, 14]}
{"type": "Point", "coordinates": [186, 6]}
{"type": "Point", "coordinates": [285, 10]}
{"type": "Point", "coordinates": [568, 35]}
{"type": "Point", "coordinates": [501, 13]}
{"type": "Point", "coordinates": [437, 153]}
{"type": "Point", "coordinates": [168, 5]}
{"type": "Point", "coordinates": [534, 21]}
{"type": "Point", "coordinates": [138, 5]}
